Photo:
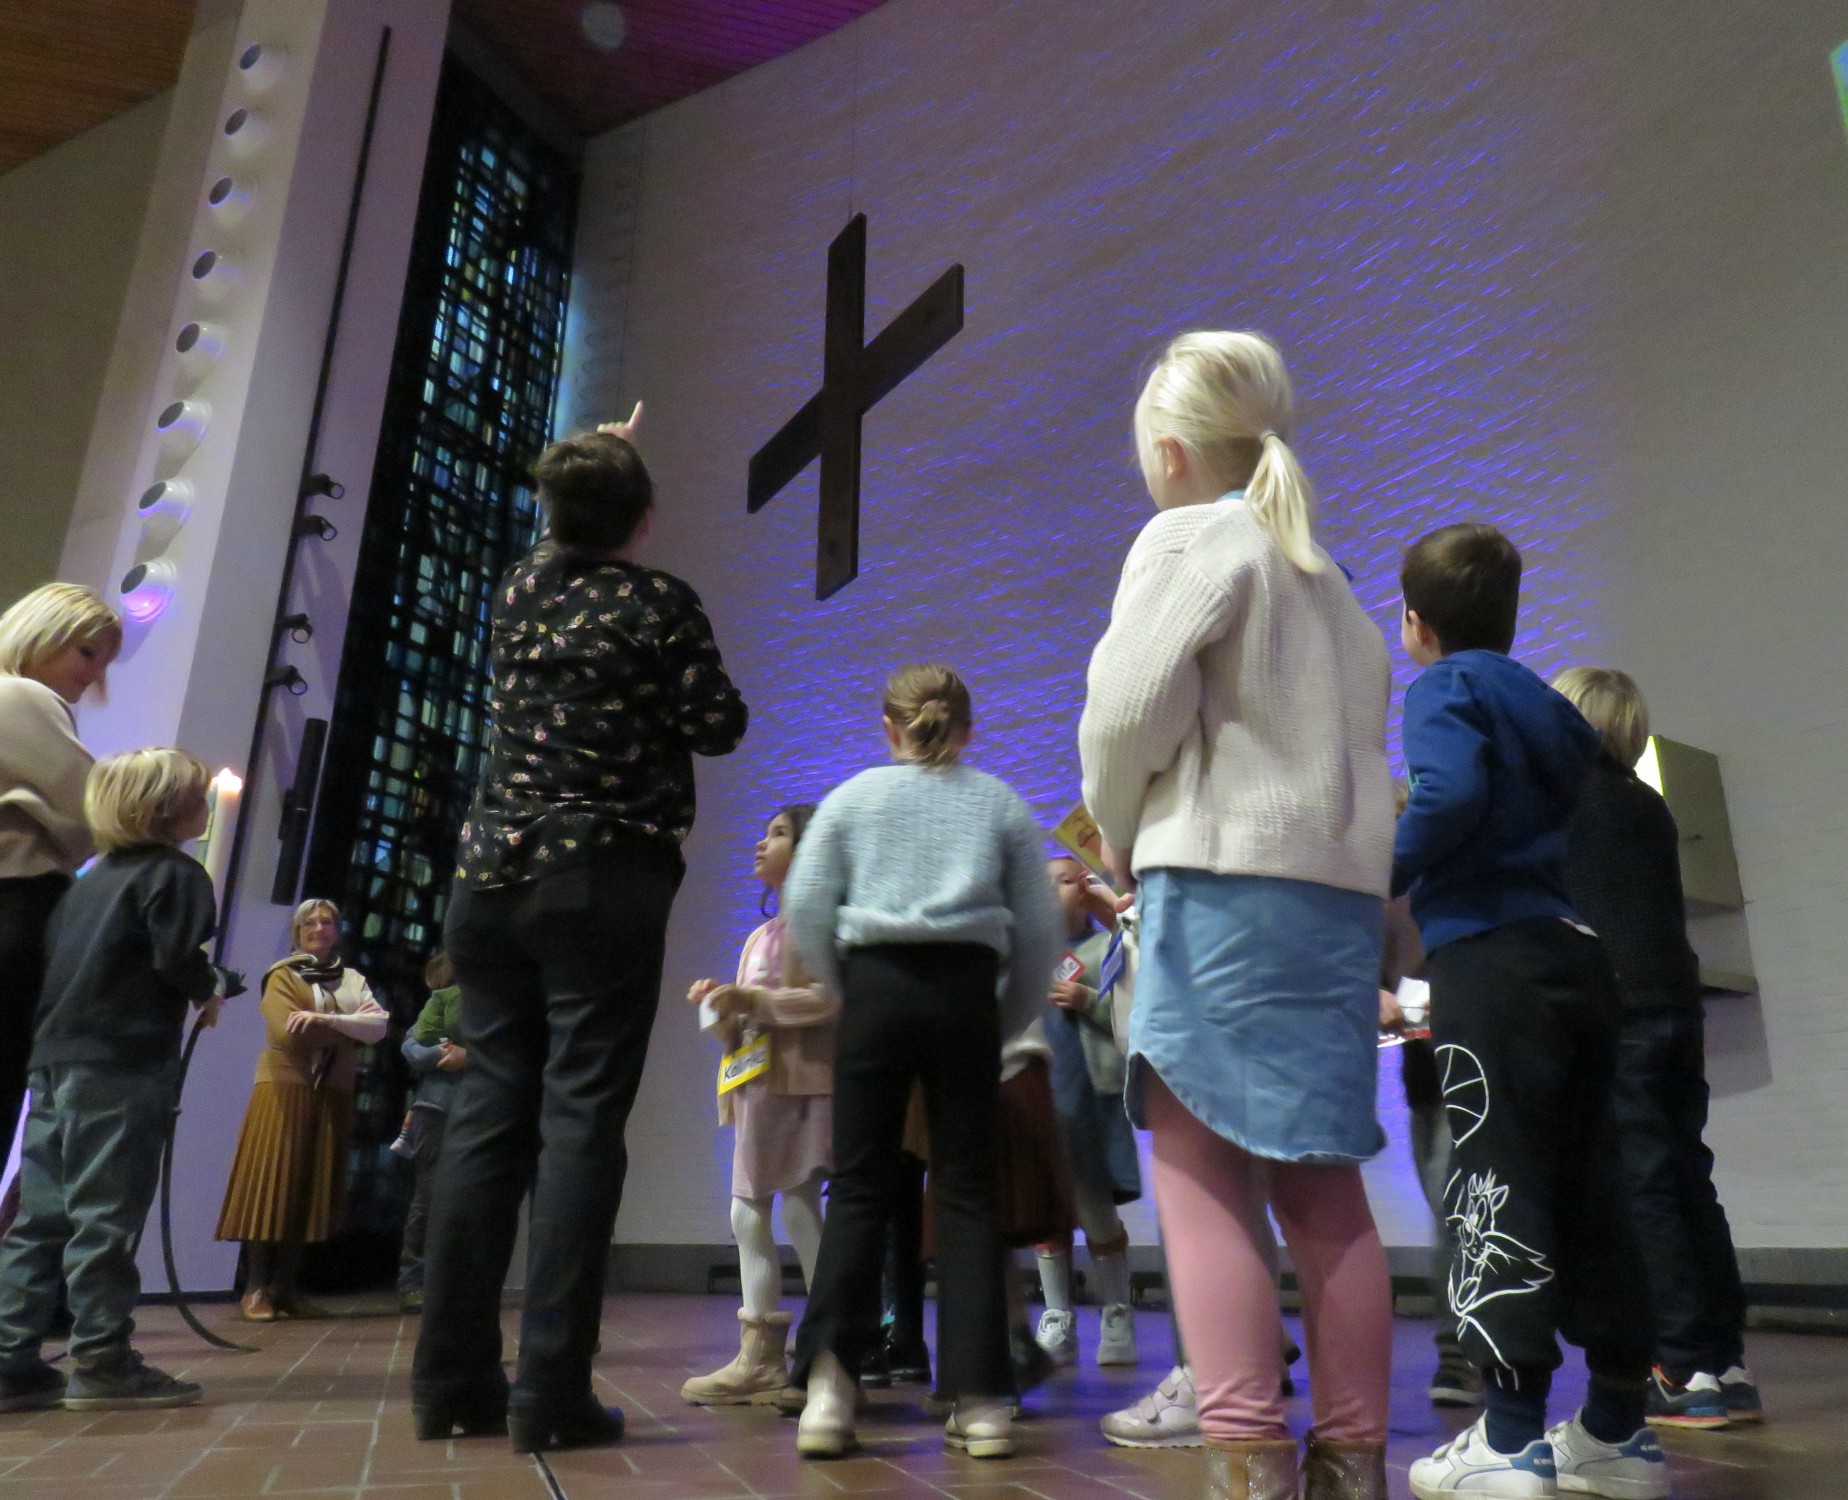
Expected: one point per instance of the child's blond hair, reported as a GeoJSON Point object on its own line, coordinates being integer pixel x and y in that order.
{"type": "Point", "coordinates": [143, 797]}
{"type": "Point", "coordinates": [1612, 704]}
{"type": "Point", "coordinates": [48, 619]}
{"type": "Point", "coordinates": [1225, 398]}
{"type": "Point", "coordinates": [930, 706]}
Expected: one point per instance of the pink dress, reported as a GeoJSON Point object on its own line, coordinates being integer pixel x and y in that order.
{"type": "Point", "coordinates": [782, 1140]}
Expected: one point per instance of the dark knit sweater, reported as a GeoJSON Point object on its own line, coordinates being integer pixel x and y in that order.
{"type": "Point", "coordinates": [1623, 870]}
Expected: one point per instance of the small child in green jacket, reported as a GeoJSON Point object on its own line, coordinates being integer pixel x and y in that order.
{"type": "Point", "coordinates": [437, 1059]}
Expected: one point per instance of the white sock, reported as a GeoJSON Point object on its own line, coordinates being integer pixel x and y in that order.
{"type": "Point", "coordinates": [1112, 1273]}
{"type": "Point", "coordinates": [759, 1267]}
{"type": "Point", "coordinates": [1055, 1268]}
{"type": "Point", "coordinates": [802, 1218]}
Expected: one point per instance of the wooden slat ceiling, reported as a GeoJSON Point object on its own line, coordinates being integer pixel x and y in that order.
{"type": "Point", "coordinates": [66, 65]}
{"type": "Point", "coordinates": [673, 48]}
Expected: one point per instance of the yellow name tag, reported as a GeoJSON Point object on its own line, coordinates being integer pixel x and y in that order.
{"type": "Point", "coordinates": [748, 1062]}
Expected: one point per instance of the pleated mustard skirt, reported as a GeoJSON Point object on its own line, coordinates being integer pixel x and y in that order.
{"type": "Point", "coordinates": [288, 1179]}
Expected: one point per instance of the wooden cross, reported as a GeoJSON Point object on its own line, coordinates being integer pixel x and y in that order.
{"type": "Point", "coordinates": [855, 376]}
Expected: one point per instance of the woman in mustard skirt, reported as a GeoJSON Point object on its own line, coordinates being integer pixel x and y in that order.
{"type": "Point", "coordinates": [289, 1175]}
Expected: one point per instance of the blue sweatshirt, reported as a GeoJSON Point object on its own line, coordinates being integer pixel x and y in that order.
{"type": "Point", "coordinates": [1496, 759]}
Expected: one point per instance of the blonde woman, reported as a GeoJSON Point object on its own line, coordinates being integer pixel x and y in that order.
{"type": "Point", "coordinates": [55, 645]}
{"type": "Point", "coordinates": [289, 1175]}
{"type": "Point", "coordinates": [1234, 751]}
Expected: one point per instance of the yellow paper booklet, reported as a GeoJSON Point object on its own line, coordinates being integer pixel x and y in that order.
{"type": "Point", "coordinates": [1077, 831]}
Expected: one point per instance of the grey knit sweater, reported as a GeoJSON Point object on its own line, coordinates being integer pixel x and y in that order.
{"type": "Point", "coordinates": [909, 854]}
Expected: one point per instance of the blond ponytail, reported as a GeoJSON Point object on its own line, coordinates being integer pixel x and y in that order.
{"type": "Point", "coordinates": [930, 706]}
{"type": "Point", "coordinates": [1226, 398]}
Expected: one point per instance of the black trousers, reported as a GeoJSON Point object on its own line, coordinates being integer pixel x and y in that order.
{"type": "Point", "coordinates": [1660, 1101]}
{"type": "Point", "coordinates": [427, 1127]}
{"type": "Point", "coordinates": [560, 980]}
{"type": "Point", "coordinates": [1525, 1020]}
{"type": "Point", "coordinates": [25, 908]}
{"type": "Point", "coordinates": [904, 1262]}
{"type": "Point", "coordinates": [923, 1012]}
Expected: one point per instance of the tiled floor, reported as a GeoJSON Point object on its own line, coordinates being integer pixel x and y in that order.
{"type": "Point", "coordinates": [321, 1410]}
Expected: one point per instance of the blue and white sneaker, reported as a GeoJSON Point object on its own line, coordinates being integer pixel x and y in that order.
{"type": "Point", "coordinates": [1698, 1406]}
{"type": "Point", "coordinates": [1631, 1470]}
{"type": "Point", "coordinates": [1467, 1465]}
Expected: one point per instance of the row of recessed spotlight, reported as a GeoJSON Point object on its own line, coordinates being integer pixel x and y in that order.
{"type": "Point", "coordinates": [163, 506]}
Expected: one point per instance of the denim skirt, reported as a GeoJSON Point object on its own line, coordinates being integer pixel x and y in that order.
{"type": "Point", "coordinates": [1257, 1004]}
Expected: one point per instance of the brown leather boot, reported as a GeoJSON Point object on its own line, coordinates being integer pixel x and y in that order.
{"type": "Point", "coordinates": [1262, 1469]}
{"type": "Point", "coordinates": [1343, 1471]}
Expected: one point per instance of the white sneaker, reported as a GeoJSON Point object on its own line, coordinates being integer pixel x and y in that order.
{"type": "Point", "coordinates": [1058, 1336]}
{"type": "Point", "coordinates": [1168, 1417]}
{"type": "Point", "coordinates": [982, 1428]}
{"type": "Point", "coordinates": [826, 1428]}
{"type": "Point", "coordinates": [1116, 1345]}
{"type": "Point", "coordinates": [1467, 1465]}
{"type": "Point", "coordinates": [1631, 1470]}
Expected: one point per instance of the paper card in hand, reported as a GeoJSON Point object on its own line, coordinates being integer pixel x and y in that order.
{"type": "Point", "coordinates": [1078, 832]}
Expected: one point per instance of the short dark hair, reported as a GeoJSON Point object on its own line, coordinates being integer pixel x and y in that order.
{"type": "Point", "coordinates": [595, 490]}
{"type": "Point", "coordinates": [1465, 583]}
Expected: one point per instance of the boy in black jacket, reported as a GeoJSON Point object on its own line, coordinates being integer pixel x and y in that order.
{"type": "Point", "coordinates": [1623, 869]}
{"type": "Point", "coordinates": [1524, 1013]}
{"type": "Point", "coordinates": [124, 959]}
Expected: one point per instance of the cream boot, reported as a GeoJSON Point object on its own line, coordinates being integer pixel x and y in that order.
{"type": "Point", "coordinates": [1343, 1471]}
{"type": "Point", "coordinates": [757, 1375]}
{"type": "Point", "coordinates": [826, 1428]}
{"type": "Point", "coordinates": [1262, 1469]}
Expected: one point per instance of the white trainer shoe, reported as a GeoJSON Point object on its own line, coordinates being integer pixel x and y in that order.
{"type": "Point", "coordinates": [1631, 1470]}
{"type": "Point", "coordinates": [1168, 1417]}
{"type": "Point", "coordinates": [982, 1428]}
{"type": "Point", "coordinates": [826, 1428]}
{"type": "Point", "coordinates": [1467, 1465]}
{"type": "Point", "coordinates": [1116, 1345]}
{"type": "Point", "coordinates": [1058, 1336]}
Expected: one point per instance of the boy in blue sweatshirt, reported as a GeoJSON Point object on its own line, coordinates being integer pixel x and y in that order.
{"type": "Point", "coordinates": [1524, 1012]}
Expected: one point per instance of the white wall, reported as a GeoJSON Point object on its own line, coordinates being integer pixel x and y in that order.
{"type": "Point", "coordinates": [1576, 268]}
{"type": "Point", "coordinates": [69, 223]}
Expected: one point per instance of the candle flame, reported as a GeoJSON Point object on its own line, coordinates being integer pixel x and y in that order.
{"type": "Point", "coordinates": [228, 780]}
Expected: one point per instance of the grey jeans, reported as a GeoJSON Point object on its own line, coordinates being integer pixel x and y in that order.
{"type": "Point", "coordinates": [88, 1169]}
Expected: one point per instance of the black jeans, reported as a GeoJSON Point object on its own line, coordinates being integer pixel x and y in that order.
{"type": "Point", "coordinates": [1660, 1101]}
{"type": "Point", "coordinates": [560, 978]}
{"type": "Point", "coordinates": [427, 1126]}
{"type": "Point", "coordinates": [904, 1263]}
{"type": "Point", "coordinates": [1525, 1020]}
{"type": "Point", "coordinates": [25, 908]}
{"type": "Point", "coordinates": [923, 1012]}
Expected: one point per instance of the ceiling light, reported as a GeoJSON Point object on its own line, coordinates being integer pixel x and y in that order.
{"type": "Point", "coordinates": [603, 25]}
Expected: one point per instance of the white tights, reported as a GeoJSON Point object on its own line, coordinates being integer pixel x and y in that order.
{"type": "Point", "coordinates": [759, 1266]}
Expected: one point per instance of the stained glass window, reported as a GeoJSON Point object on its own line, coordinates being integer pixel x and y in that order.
{"type": "Point", "coordinates": [474, 374]}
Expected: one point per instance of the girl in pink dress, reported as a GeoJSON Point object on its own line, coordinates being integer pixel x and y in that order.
{"type": "Point", "coordinates": [777, 1027]}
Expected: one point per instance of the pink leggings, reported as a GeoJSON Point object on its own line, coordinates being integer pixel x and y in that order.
{"type": "Point", "coordinates": [1212, 1195]}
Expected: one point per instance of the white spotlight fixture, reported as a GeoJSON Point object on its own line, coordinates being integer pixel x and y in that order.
{"type": "Point", "coordinates": [229, 200]}
{"type": "Point", "coordinates": [260, 65]}
{"type": "Point", "coordinates": [147, 589]}
{"type": "Point", "coordinates": [212, 273]}
{"type": "Point", "coordinates": [604, 25]}
{"type": "Point", "coordinates": [180, 425]}
{"type": "Point", "coordinates": [199, 345]}
{"type": "Point", "coordinates": [245, 130]}
{"type": "Point", "coordinates": [166, 499]}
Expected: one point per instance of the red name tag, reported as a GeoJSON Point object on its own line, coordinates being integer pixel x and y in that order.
{"type": "Point", "coordinates": [1070, 967]}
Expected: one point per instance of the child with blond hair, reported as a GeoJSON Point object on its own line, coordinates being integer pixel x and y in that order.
{"type": "Point", "coordinates": [125, 959]}
{"type": "Point", "coordinates": [919, 896]}
{"type": "Point", "coordinates": [1234, 752]}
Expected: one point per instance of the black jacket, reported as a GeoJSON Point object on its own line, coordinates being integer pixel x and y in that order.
{"type": "Point", "coordinates": [1623, 870]}
{"type": "Point", "coordinates": [124, 957]}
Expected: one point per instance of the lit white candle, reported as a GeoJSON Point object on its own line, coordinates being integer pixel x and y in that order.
{"type": "Point", "coordinates": [227, 789]}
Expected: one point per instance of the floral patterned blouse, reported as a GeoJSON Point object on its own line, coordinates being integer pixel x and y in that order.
{"type": "Point", "coordinates": [606, 683]}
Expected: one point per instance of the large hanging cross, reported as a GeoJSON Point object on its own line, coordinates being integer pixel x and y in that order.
{"type": "Point", "coordinates": [855, 376]}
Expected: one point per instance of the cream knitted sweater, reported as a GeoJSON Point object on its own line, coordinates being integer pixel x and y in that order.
{"type": "Point", "coordinates": [1236, 713]}
{"type": "Point", "coordinates": [43, 766]}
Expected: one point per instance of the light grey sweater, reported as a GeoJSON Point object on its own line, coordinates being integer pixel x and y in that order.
{"type": "Point", "coordinates": [909, 854]}
{"type": "Point", "coordinates": [43, 766]}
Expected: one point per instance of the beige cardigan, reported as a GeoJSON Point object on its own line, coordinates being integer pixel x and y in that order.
{"type": "Point", "coordinates": [294, 1058]}
{"type": "Point", "coordinates": [43, 766]}
{"type": "Point", "coordinates": [800, 1016]}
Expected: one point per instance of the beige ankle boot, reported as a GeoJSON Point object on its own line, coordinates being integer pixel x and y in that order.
{"type": "Point", "coordinates": [1343, 1471]}
{"type": "Point", "coordinates": [1262, 1469]}
{"type": "Point", "coordinates": [757, 1375]}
